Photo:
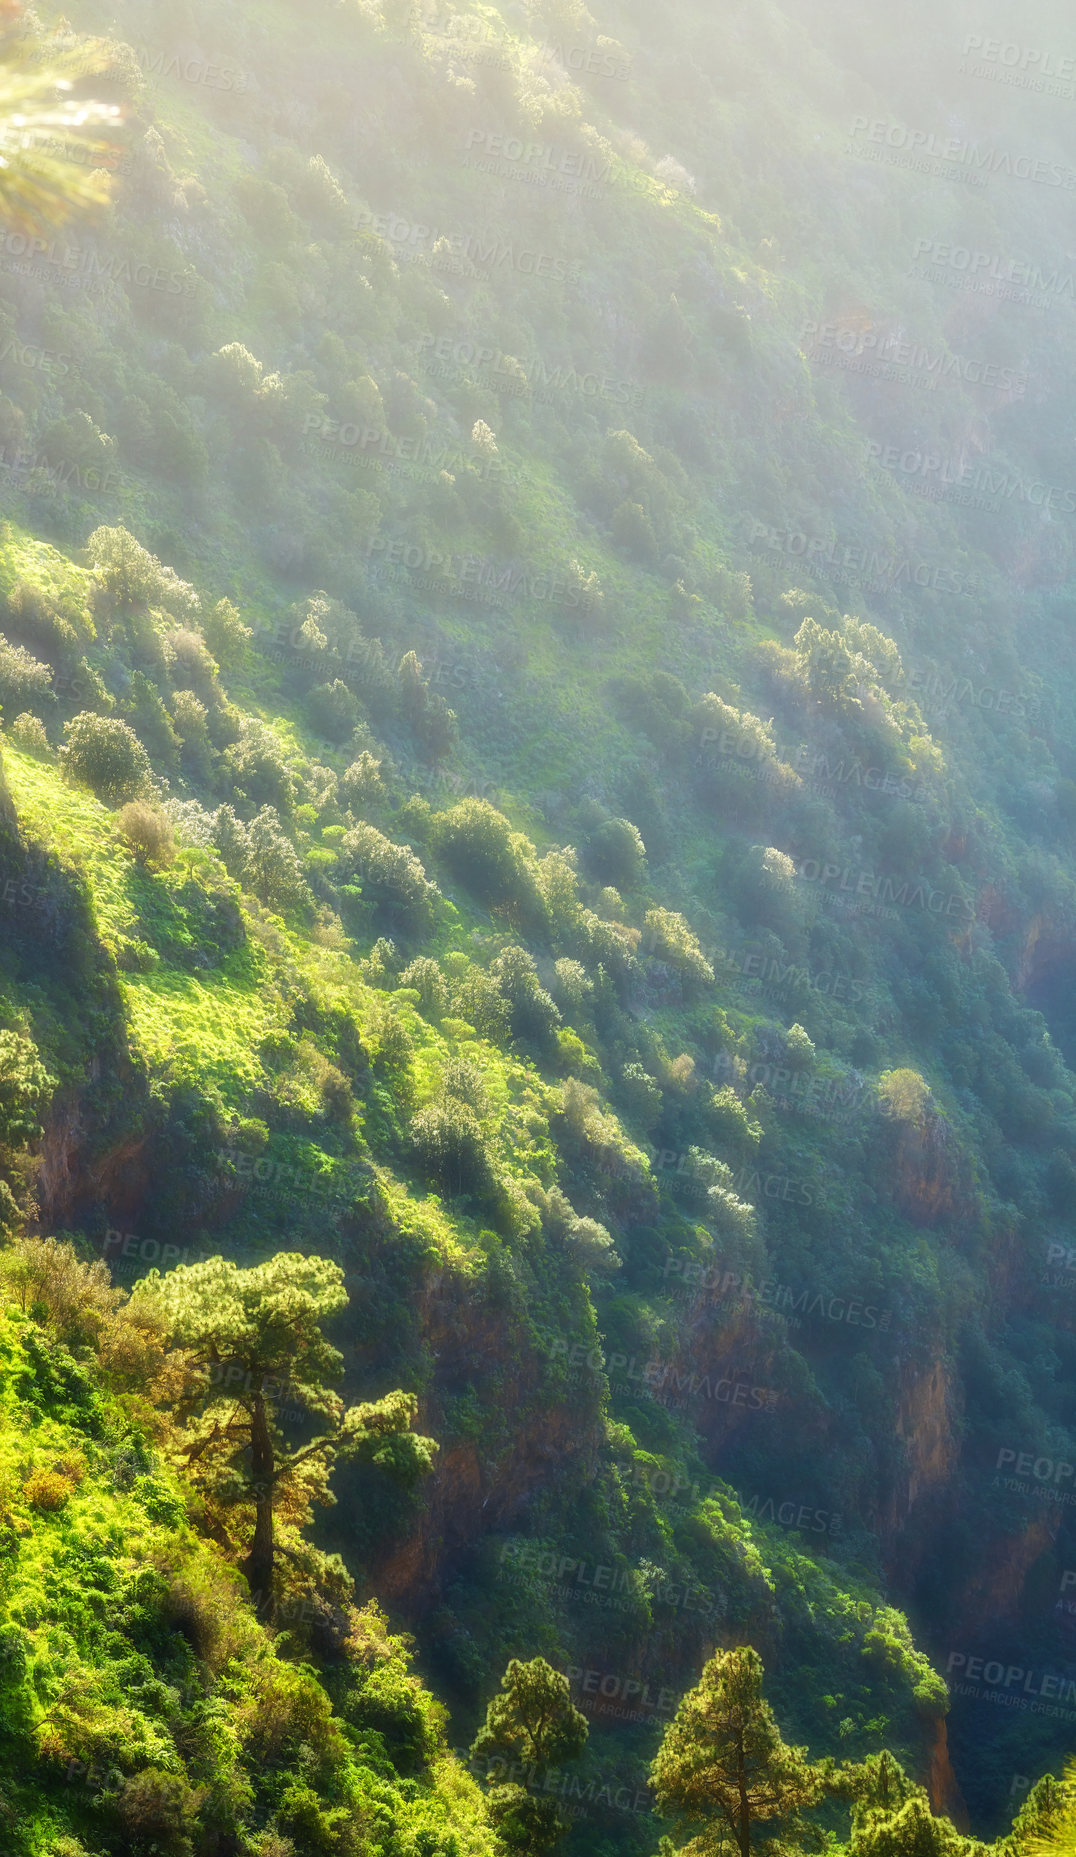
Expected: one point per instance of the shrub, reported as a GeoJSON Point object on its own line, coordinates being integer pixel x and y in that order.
{"type": "Point", "coordinates": [34, 614]}
{"type": "Point", "coordinates": [106, 755]}
{"type": "Point", "coordinates": [668, 937]}
{"type": "Point", "coordinates": [191, 720]}
{"type": "Point", "coordinates": [28, 732]}
{"type": "Point", "coordinates": [799, 1049]}
{"type": "Point", "coordinates": [571, 985]}
{"type": "Point", "coordinates": [159, 1810]}
{"type": "Point", "coordinates": [23, 679]}
{"type": "Point", "coordinates": [430, 985]}
{"type": "Point", "coordinates": [390, 874]}
{"type": "Point", "coordinates": [225, 633]}
{"type": "Point", "coordinates": [593, 1245]}
{"type": "Point", "coordinates": [259, 768]}
{"type": "Point", "coordinates": [480, 848]}
{"type": "Point", "coordinates": [429, 715]}
{"type": "Point", "coordinates": [148, 833]}
{"type": "Point", "coordinates": [232, 840]}
{"type": "Point", "coordinates": [333, 710]}
{"type": "Point", "coordinates": [534, 1016]}
{"type": "Point", "coordinates": [642, 1096]}
{"type": "Point", "coordinates": [192, 664]}
{"type": "Point", "coordinates": [273, 866]}
{"type": "Point", "coordinates": [48, 1491]}
{"type": "Point", "coordinates": [479, 1000]}
{"type": "Point", "coordinates": [616, 853]}
{"type": "Point", "coordinates": [130, 578]}
{"type": "Point", "coordinates": [362, 786]}
{"type": "Point", "coordinates": [633, 532]}
{"type": "Point", "coordinates": [452, 1148]}
{"type": "Point", "coordinates": [25, 1090]}
{"type": "Point", "coordinates": [48, 1281]}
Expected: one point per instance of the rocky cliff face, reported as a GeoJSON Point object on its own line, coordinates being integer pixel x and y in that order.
{"type": "Point", "coordinates": [924, 1423]}
{"type": "Point", "coordinates": [525, 1436]}
{"type": "Point", "coordinates": [942, 1783]}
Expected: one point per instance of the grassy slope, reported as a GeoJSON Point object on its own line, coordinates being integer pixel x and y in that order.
{"type": "Point", "coordinates": [552, 734]}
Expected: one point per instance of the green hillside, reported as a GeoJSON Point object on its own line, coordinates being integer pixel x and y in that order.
{"type": "Point", "coordinates": [536, 683]}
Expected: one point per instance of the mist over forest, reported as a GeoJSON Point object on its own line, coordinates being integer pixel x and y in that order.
{"type": "Point", "coordinates": [537, 929]}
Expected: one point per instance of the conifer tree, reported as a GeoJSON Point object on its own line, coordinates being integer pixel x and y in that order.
{"type": "Point", "coordinates": [724, 1771]}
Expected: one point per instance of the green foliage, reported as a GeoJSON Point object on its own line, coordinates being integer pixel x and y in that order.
{"type": "Point", "coordinates": [362, 786]}
{"type": "Point", "coordinates": [334, 710]}
{"type": "Point", "coordinates": [131, 579]}
{"type": "Point", "coordinates": [452, 1149]}
{"type": "Point", "coordinates": [225, 633]}
{"type": "Point", "coordinates": [253, 1343]}
{"type": "Point", "coordinates": [24, 680]}
{"type": "Point", "coordinates": [28, 731]}
{"type": "Point", "coordinates": [389, 874]}
{"type": "Point", "coordinates": [25, 1089]}
{"type": "Point", "coordinates": [105, 754]}
{"type": "Point", "coordinates": [259, 771]}
{"type": "Point", "coordinates": [668, 938]}
{"type": "Point", "coordinates": [531, 1721]}
{"type": "Point", "coordinates": [616, 853]}
{"type": "Point", "coordinates": [147, 832]}
{"type": "Point", "coordinates": [724, 1768]}
{"type": "Point", "coordinates": [479, 847]}
{"type": "Point", "coordinates": [271, 866]}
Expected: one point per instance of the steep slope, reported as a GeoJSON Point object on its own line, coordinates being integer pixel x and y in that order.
{"type": "Point", "coordinates": [712, 1184]}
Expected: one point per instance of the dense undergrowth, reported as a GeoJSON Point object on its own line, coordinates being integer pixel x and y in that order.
{"type": "Point", "coordinates": [513, 788]}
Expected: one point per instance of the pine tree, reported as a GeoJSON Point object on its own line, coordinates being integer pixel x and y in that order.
{"type": "Point", "coordinates": [256, 1348]}
{"type": "Point", "coordinates": [724, 1769]}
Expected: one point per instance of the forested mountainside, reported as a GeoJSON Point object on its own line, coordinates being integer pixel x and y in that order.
{"type": "Point", "coordinates": [538, 927]}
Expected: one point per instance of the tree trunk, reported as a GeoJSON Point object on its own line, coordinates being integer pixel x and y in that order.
{"type": "Point", "coordinates": [745, 1804]}
{"type": "Point", "coordinates": [258, 1566]}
